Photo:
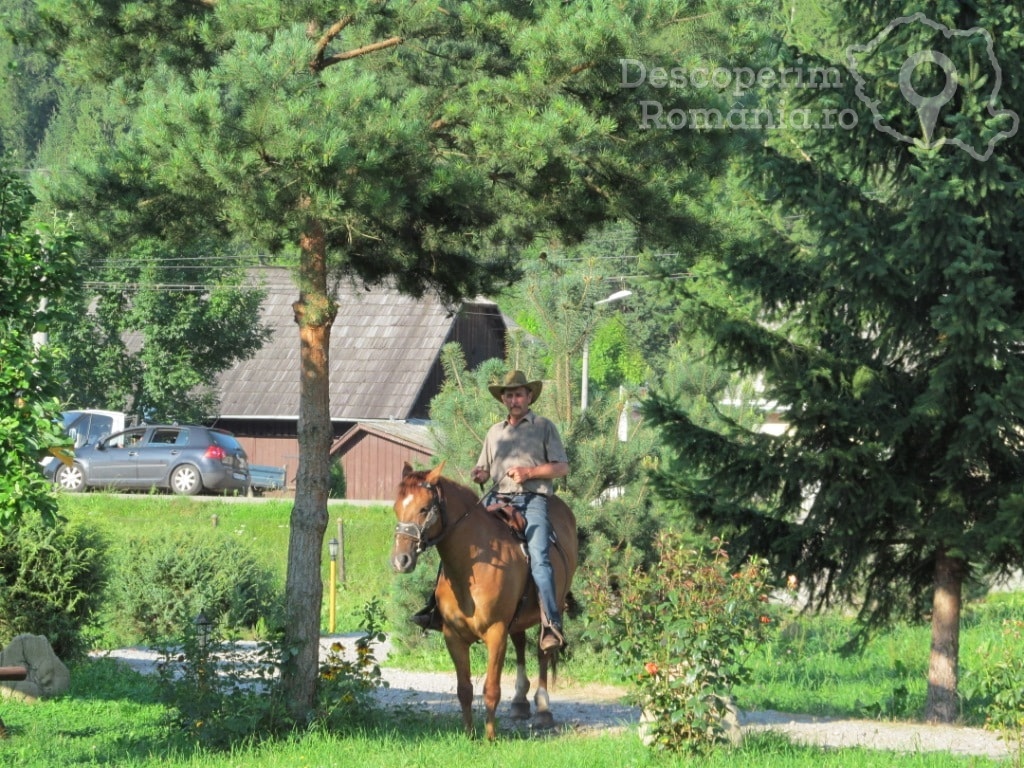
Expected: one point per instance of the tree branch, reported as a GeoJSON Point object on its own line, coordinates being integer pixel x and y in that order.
{"type": "Point", "coordinates": [391, 42]}
{"type": "Point", "coordinates": [325, 39]}
{"type": "Point", "coordinates": [582, 67]}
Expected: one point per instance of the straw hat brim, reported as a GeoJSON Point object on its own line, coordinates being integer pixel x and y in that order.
{"type": "Point", "coordinates": [535, 388]}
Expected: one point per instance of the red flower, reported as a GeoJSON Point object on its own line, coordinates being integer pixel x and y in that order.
{"type": "Point", "coordinates": [651, 667]}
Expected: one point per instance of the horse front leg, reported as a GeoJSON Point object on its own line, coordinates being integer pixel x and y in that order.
{"type": "Point", "coordinates": [496, 641]}
{"type": "Point", "coordinates": [520, 704]}
{"type": "Point", "coordinates": [458, 649]}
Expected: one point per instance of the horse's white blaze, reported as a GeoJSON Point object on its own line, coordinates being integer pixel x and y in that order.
{"type": "Point", "coordinates": [407, 501]}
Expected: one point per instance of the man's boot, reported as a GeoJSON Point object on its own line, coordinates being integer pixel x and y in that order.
{"type": "Point", "coordinates": [428, 617]}
{"type": "Point", "coordinates": [551, 637]}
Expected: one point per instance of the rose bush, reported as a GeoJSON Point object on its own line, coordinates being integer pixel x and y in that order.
{"type": "Point", "coordinates": [681, 631]}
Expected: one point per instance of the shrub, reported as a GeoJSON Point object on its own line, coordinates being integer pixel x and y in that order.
{"type": "Point", "coordinates": [681, 631]}
{"type": "Point", "coordinates": [338, 487]}
{"type": "Point", "coordinates": [161, 584]}
{"type": "Point", "coordinates": [220, 693]}
{"type": "Point", "coordinates": [408, 594]}
{"type": "Point", "coordinates": [347, 678]}
{"type": "Point", "coordinates": [995, 685]}
{"type": "Point", "coordinates": [51, 583]}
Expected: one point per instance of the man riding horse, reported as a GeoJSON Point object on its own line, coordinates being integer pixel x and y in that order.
{"type": "Point", "coordinates": [522, 455]}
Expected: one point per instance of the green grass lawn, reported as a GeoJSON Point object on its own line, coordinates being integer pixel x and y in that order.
{"type": "Point", "coordinates": [114, 717]}
{"type": "Point", "coordinates": [263, 525]}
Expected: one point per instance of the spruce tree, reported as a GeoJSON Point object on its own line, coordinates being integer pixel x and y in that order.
{"type": "Point", "coordinates": [889, 331]}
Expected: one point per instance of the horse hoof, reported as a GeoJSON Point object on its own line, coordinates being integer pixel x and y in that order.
{"type": "Point", "coordinates": [520, 710]}
{"type": "Point", "coordinates": [543, 721]}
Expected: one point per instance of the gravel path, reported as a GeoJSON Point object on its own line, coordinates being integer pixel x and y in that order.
{"type": "Point", "coordinates": [590, 708]}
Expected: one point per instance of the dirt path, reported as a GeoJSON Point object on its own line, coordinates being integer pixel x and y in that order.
{"type": "Point", "coordinates": [583, 708]}
{"type": "Point", "coordinates": [587, 707]}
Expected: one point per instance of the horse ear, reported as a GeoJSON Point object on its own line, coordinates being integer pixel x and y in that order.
{"type": "Point", "coordinates": [435, 474]}
{"type": "Point", "coordinates": [406, 470]}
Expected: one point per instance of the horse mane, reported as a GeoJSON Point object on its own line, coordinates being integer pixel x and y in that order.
{"type": "Point", "coordinates": [459, 488]}
{"type": "Point", "coordinates": [447, 484]}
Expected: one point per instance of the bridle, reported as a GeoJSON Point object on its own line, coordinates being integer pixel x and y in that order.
{"type": "Point", "coordinates": [434, 511]}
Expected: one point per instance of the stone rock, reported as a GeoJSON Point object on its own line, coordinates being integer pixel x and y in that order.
{"type": "Point", "coordinates": [47, 675]}
{"type": "Point", "coordinates": [729, 724]}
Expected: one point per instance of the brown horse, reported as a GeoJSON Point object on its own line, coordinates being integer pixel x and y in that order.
{"type": "Point", "coordinates": [484, 591]}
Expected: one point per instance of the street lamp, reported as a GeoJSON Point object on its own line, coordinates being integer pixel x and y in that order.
{"type": "Point", "coordinates": [332, 549]}
{"type": "Point", "coordinates": [617, 296]}
{"type": "Point", "coordinates": [202, 631]}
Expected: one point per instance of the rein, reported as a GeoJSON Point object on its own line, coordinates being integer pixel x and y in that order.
{"type": "Point", "coordinates": [436, 509]}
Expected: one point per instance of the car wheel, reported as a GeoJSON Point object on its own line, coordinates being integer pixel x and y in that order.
{"type": "Point", "coordinates": [71, 479]}
{"type": "Point", "coordinates": [186, 480]}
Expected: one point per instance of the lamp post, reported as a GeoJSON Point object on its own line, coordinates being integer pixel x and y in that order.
{"type": "Point", "coordinates": [202, 631]}
{"type": "Point", "coordinates": [617, 296]}
{"type": "Point", "coordinates": [332, 549]}
{"type": "Point", "coordinates": [202, 660]}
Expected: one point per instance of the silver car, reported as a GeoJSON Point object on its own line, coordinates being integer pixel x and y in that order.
{"type": "Point", "coordinates": [185, 459]}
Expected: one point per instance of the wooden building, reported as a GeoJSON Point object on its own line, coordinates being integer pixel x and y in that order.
{"type": "Point", "coordinates": [370, 447]}
{"type": "Point", "coordinates": [384, 368]}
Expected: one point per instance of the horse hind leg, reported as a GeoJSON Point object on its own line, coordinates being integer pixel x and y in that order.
{"type": "Point", "coordinates": [520, 704]}
{"type": "Point", "coordinates": [543, 717]}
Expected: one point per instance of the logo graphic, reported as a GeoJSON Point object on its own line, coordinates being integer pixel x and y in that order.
{"type": "Point", "coordinates": [929, 106]}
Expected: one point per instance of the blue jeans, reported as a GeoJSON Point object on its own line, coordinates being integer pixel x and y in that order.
{"type": "Point", "coordinates": [538, 542]}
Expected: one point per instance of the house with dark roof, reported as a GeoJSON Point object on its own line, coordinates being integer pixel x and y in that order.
{"type": "Point", "coordinates": [384, 368]}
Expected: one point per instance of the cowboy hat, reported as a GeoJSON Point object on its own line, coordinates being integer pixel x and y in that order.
{"type": "Point", "coordinates": [515, 379]}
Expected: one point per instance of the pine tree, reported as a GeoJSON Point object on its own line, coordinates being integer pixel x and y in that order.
{"type": "Point", "coordinates": [27, 86]}
{"type": "Point", "coordinates": [889, 286]}
{"type": "Point", "coordinates": [419, 144]}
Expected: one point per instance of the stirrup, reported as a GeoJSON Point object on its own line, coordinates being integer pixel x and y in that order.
{"type": "Point", "coordinates": [551, 638]}
{"type": "Point", "coordinates": [428, 618]}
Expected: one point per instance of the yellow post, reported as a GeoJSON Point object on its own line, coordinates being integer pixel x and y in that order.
{"type": "Point", "coordinates": [334, 595]}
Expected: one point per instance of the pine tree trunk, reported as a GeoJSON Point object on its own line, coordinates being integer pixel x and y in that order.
{"type": "Point", "coordinates": [943, 664]}
{"type": "Point", "coordinates": [314, 312]}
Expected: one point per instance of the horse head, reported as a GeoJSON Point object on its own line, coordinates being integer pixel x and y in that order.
{"type": "Point", "coordinates": [419, 509]}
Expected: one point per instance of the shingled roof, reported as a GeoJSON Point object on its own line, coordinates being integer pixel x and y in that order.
{"type": "Point", "coordinates": [384, 349]}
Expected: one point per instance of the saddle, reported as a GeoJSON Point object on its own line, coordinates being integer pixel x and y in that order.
{"type": "Point", "coordinates": [510, 515]}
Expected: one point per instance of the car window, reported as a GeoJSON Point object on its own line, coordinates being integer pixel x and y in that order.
{"type": "Point", "coordinates": [168, 437]}
{"type": "Point", "coordinates": [98, 427]}
{"type": "Point", "coordinates": [122, 439]}
{"type": "Point", "coordinates": [226, 442]}
{"type": "Point", "coordinates": [69, 417]}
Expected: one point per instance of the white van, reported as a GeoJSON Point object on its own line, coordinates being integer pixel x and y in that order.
{"type": "Point", "coordinates": [87, 426]}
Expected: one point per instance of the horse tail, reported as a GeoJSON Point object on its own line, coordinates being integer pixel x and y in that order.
{"type": "Point", "coordinates": [551, 657]}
